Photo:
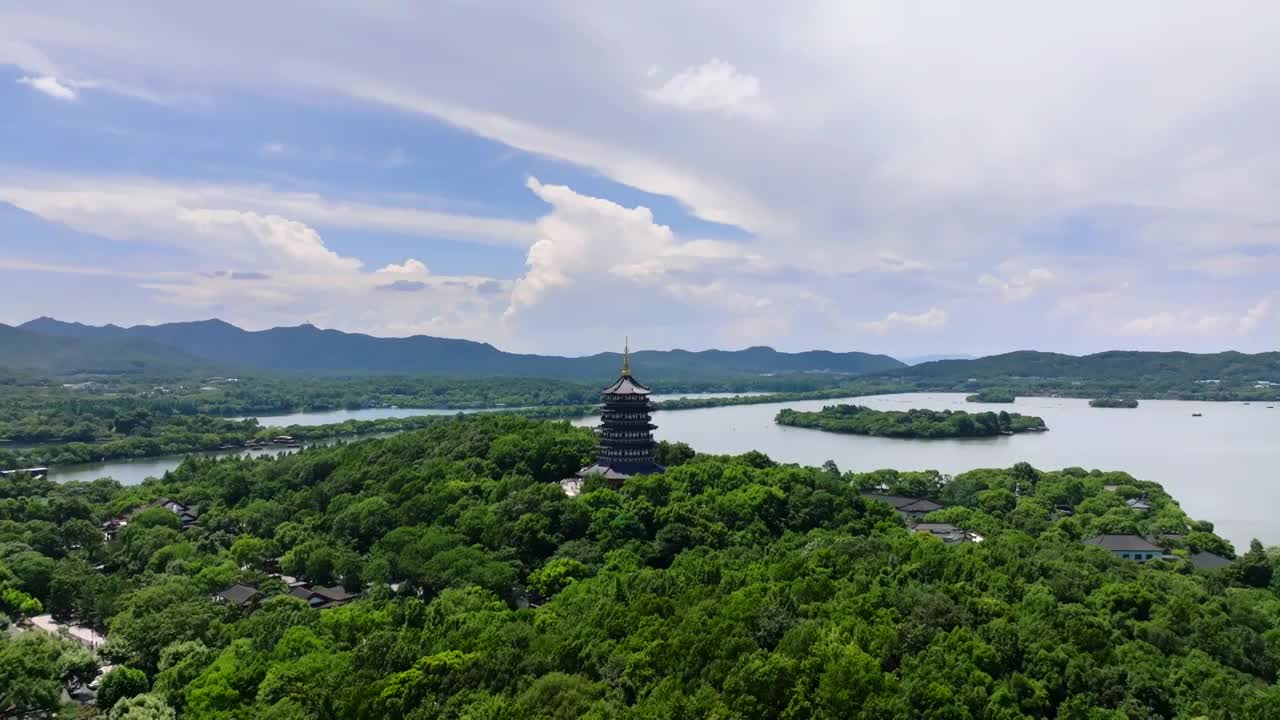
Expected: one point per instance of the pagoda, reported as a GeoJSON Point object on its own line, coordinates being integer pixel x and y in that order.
{"type": "Point", "coordinates": [626, 431]}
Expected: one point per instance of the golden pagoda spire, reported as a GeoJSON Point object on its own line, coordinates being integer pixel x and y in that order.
{"type": "Point", "coordinates": [626, 358]}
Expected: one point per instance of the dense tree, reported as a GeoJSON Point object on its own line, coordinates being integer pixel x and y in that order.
{"type": "Point", "coordinates": [119, 684]}
{"type": "Point", "coordinates": [34, 668]}
{"type": "Point", "coordinates": [141, 707]}
{"type": "Point", "coordinates": [725, 587]}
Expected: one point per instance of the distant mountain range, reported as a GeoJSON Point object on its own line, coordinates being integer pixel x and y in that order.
{"type": "Point", "coordinates": [65, 355]}
{"type": "Point", "coordinates": [1111, 366]}
{"type": "Point", "coordinates": [213, 346]}
{"type": "Point", "coordinates": [54, 346]}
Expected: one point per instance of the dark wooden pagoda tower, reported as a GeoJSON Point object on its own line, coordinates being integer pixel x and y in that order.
{"type": "Point", "coordinates": [626, 431]}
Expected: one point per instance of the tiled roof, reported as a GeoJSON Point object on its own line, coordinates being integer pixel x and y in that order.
{"type": "Point", "coordinates": [1208, 561]}
{"type": "Point", "coordinates": [238, 594]}
{"type": "Point", "coordinates": [920, 506]}
{"type": "Point", "coordinates": [896, 501]}
{"type": "Point", "coordinates": [626, 385]}
{"type": "Point", "coordinates": [620, 471]}
{"type": "Point", "coordinates": [936, 528]}
{"type": "Point", "coordinates": [1122, 543]}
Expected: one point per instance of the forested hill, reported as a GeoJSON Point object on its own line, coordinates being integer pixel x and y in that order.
{"type": "Point", "coordinates": [22, 350]}
{"type": "Point", "coordinates": [724, 588]}
{"type": "Point", "coordinates": [307, 349]}
{"type": "Point", "coordinates": [1111, 366]}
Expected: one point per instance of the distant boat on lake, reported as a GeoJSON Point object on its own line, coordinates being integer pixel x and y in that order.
{"type": "Point", "coordinates": [1197, 415]}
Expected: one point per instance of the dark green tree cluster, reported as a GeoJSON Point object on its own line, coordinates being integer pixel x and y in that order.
{"type": "Point", "coordinates": [729, 587]}
{"type": "Point", "coordinates": [993, 396]}
{"type": "Point", "coordinates": [1113, 402]}
{"type": "Point", "coordinates": [922, 424]}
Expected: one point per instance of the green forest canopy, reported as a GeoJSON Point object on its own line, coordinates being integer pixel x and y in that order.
{"type": "Point", "coordinates": [729, 587]}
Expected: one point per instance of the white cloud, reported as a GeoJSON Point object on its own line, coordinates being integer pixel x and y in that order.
{"type": "Point", "coordinates": [51, 86]}
{"type": "Point", "coordinates": [714, 86]}
{"type": "Point", "coordinates": [1015, 288]}
{"type": "Point", "coordinates": [1236, 265]}
{"type": "Point", "coordinates": [708, 199]}
{"type": "Point", "coordinates": [931, 319]}
{"type": "Point", "coordinates": [584, 239]}
{"type": "Point", "coordinates": [1254, 316]}
{"type": "Point", "coordinates": [958, 143]}
{"type": "Point", "coordinates": [895, 263]}
{"type": "Point", "coordinates": [408, 267]}
{"type": "Point", "coordinates": [1189, 322]}
{"type": "Point", "coordinates": [275, 148]}
{"type": "Point", "coordinates": [266, 240]}
{"type": "Point", "coordinates": [116, 206]}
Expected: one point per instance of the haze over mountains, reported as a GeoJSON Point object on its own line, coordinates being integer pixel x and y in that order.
{"type": "Point", "coordinates": [55, 346]}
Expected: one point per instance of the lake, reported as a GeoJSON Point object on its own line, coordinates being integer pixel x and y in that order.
{"type": "Point", "coordinates": [329, 417]}
{"type": "Point", "coordinates": [1223, 467]}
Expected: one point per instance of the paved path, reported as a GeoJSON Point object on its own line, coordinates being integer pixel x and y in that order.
{"type": "Point", "coordinates": [86, 635]}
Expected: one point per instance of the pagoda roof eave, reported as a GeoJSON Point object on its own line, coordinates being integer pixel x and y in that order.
{"type": "Point", "coordinates": [626, 385]}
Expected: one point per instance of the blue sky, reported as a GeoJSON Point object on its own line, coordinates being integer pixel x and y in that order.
{"type": "Point", "coordinates": [968, 180]}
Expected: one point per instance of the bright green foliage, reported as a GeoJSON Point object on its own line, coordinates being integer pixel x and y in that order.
{"type": "Point", "coordinates": [120, 683]}
{"type": "Point", "coordinates": [728, 587]}
{"type": "Point", "coordinates": [34, 667]}
{"type": "Point", "coordinates": [556, 576]}
{"type": "Point", "coordinates": [141, 707]}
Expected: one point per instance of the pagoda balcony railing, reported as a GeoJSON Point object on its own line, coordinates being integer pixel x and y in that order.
{"type": "Point", "coordinates": [628, 455]}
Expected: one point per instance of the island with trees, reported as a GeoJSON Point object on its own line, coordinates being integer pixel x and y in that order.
{"type": "Point", "coordinates": [910, 424]}
{"type": "Point", "coordinates": [1111, 402]}
{"type": "Point", "coordinates": [443, 573]}
{"type": "Point", "coordinates": [992, 396]}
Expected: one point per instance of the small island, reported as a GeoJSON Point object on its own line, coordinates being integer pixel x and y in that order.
{"type": "Point", "coordinates": [1113, 403]}
{"type": "Point", "coordinates": [992, 396]}
{"type": "Point", "coordinates": [917, 424]}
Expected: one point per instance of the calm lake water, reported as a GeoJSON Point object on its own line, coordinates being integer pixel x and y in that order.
{"type": "Point", "coordinates": [328, 417]}
{"type": "Point", "coordinates": [1223, 467]}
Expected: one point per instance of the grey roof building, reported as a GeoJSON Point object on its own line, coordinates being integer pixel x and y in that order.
{"type": "Point", "coordinates": [947, 533]}
{"type": "Point", "coordinates": [1129, 547]}
{"type": "Point", "coordinates": [1208, 561]}
{"type": "Point", "coordinates": [322, 597]}
{"type": "Point", "coordinates": [241, 595]}
{"type": "Point", "coordinates": [908, 507]}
